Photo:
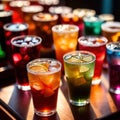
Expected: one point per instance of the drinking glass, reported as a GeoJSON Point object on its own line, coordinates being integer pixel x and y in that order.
{"type": "Point", "coordinates": [12, 30]}
{"type": "Point", "coordinates": [111, 30]}
{"type": "Point", "coordinates": [24, 49]}
{"type": "Point", "coordinates": [79, 70]}
{"type": "Point", "coordinates": [92, 25]}
{"type": "Point", "coordinates": [44, 22]}
{"type": "Point", "coordinates": [96, 45]}
{"type": "Point", "coordinates": [65, 39]}
{"type": "Point", "coordinates": [5, 17]}
{"type": "Point", "coordinates": [28, 12]}
{"type": "Point", "coordinates": [44, 77]}
{"type": "Point", "coordinates": [113, 58]}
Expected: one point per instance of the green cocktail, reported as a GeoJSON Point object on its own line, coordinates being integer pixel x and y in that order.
{"type": "Point", "coordinates": [79, 70]}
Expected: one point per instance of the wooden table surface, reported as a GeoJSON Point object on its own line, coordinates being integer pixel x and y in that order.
{"type": "Point", "coordinates": [102, 103]}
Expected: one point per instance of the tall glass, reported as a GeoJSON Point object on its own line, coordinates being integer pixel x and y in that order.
{"type": "Point", "coordinates": [96, 45]}
{"type": "Point", "coordinates": [71, 18]}
{"type": "Point", "coordinates": [5, 17]}
{"type": "Point", "coordinates": [12, 30]}
{"type": "Point", "coordinates": [44, 77]}
{"type": "Point", "coordinates": [79, 70]}
{"type": "Point", "coordinates": [24, 49]}
{"type": "Point", "coordinates": [44, 22]}
{"type": "Point", "coordinates": [92, 25]}
{"type": "Point", "coordinates": [16, 6]}
{"type": "Point", "coordinates": [113, 57]}
{"type": "Point", "coordinates": [28, 12]}
{"type": "Point", "coordinates": [65, 39]}
{"type": "Point", "coordinates": [111, 30]}
{"type": "Point", "coordinates": [59, 10]}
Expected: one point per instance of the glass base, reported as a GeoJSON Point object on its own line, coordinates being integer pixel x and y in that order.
{"type": "Point", "coordinates": [115, 91]}
{"type": "Point", "coordinates": [80, 103]}
{"type": "Point", "coordinates": [24, 88]}
{"type": "Point", "coordinates": [45, 114]}
{"type": "Point", "coordinates": [96, 81]}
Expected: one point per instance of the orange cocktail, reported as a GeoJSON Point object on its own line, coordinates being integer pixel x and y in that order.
{"type": "Point", "coordinates": [65, 39]}
{"type": "Point", "coordinates": [44, 77]}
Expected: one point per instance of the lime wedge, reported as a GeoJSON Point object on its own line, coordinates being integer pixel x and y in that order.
{"type": "Point", "coordinates": [39, 68]}
{"type": "Point", "coordinates": [83, 69]}
{"type": "Point", "coordinates": [74, 59]}
{"type": "Point", "coordinates": [87, 58]}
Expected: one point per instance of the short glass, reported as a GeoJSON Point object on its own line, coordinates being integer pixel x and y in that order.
{"type": "Point", "coordinates": [44, 77]}
{"type": "Point", "coordinates": [24, 49]}
{"type": "Point", "coordinates": [92, 25]}
{"type": "Point", "coordinates": [12, 30]}
{"type": "Point", "coordinates": [113, 58]}
{"type": "Point", "coordinates": [111, 30]}
{"type": "Point", "coordinates": [96, 45]}
{"type": "Point", "coordinates": [65, 39]}
{"type": "Point", "coordinates": [79, 70]}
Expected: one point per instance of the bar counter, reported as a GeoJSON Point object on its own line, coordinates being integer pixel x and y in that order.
{"type": "Point", "coordinates": [102, 103]}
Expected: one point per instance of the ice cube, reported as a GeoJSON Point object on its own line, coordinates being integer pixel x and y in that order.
{"type": "Point", "coordinates": [31, 43]}
{"type": "Point", "coordinates": [34, 40]}
{"type": "Point", "coordinates": [27, 39]}
{"type": "Point", "coordinates": [24, 44]}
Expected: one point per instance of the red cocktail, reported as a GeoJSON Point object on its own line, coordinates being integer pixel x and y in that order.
{"type": "Point", "coordinates": [96, 45]}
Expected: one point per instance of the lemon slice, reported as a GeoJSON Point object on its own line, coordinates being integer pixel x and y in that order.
{"type": "Point", "coordinates": [87, 58]}
{"type": "Point", "coordinates": [39, 68]}
{"type": "Point", "coordinates": [84, 69]}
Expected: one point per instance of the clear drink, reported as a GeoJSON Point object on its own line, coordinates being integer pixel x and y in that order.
{"type": "Point", "coordinates": [44, 78]}
{"type": "Point", "coordinates": [24, 49]}
{"type": "Point", "coordinates": [113, 57]}
{"type": "Point", "coordinates": [79, 70]}
{"type": "Point", "coordinates": [96, 45]}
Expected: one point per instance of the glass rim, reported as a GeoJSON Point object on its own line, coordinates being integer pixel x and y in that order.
{"type": "Point", "coordinates": [77, 52]}
{"type": "Point", "coordinates": [25, 9]}
{"type": "Point", "coordinates": [94, 36]}
{"type": "Point", "coordinates": [54, 28]}
{"type": "Point", "coordinates": [13, 30]}
{"type": "Point", "coordinates": [107, 26]}
{"type": "Point", "coordinates": [37, 19]}
{"type": "Point", "coordinates": [96, 19]}
{"type": "Point", "coordinates": [43, 60]}
{"type": "Point", "coordinates": [53, 9]}
{"type": "Point", "coordinates": [6, 13]}
{"type": "Point", "coordinates": [24, 36]}
{"type": "Point", "coordinates": [114, 50]}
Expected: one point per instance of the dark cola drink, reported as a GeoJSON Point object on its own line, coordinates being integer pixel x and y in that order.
{"type": "Point", "coordinates": [12, 30]}
{"type": "Point", "coordinates": [24, 49]}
